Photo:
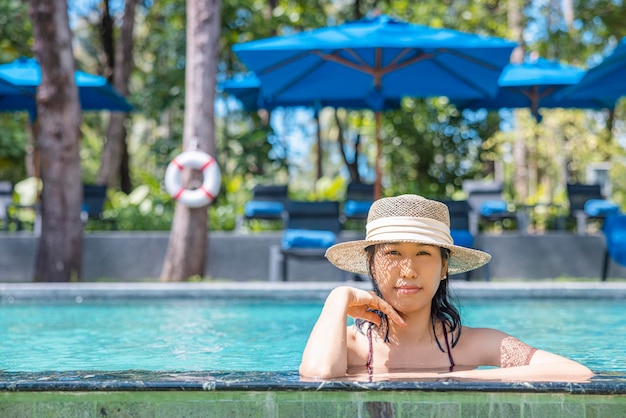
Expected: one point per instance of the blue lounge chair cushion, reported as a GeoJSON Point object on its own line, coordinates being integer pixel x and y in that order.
{"type": "Point", "coordinates": [493, 207]}
{"type": "Point", "coordinates": [354, 208]}
{"type": "Point", "coordinates": [600, 207]}
{"type": "Point", "coordinates": [257, 208]}
{"type": "Point", "coordinates": [462, 237]}
{"type": "Point", "coordinates": [307, 238]}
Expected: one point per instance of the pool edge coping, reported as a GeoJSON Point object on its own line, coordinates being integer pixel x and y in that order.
{"type": "Point", "coordinates": [292, 290]}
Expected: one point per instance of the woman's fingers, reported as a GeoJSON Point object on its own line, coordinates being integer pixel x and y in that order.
{"type": "Point", "coordinates": [370, 300]}
{"type": "Point", "coordinates": [391, 313]}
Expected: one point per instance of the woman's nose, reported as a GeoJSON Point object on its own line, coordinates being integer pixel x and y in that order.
{"type": "Point", "coordinates": [408, 269]}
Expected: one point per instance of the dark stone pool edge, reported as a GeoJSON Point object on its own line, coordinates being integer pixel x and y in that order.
{"type": "Point", "coordinates": [279, 381]}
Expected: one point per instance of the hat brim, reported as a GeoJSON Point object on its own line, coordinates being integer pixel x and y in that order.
{"type": "Point", "coordinates": [351, 256]}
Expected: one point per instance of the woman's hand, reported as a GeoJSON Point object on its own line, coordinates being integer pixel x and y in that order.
{"type": "Point", "coordinates": [361, 303]}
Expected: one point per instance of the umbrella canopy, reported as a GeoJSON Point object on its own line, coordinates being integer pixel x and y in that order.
{"type": "Point", "coordinates": [606, 80]}
{"type": "Point", "coordinates": [373, 60]}
{"type": "Point", "coordinates": [248, 91]}
{"type": "Point", "coordinates": [535, 84]}
{"type": "Point", "coordinates": [6, 87]}
{"type": "Point", "coordinates": [95, 92]}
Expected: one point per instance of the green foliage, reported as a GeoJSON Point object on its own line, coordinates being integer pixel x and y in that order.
{"type": "Point", "coordinates": [16, 30]}
{"type": "Point", "coordinates": [147, 207]}
{"type": "Point", "coordinates": [13, 140]}
{"type": "Point", "coordinates": [428, 146]}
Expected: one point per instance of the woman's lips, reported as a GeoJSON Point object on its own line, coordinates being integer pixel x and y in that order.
{"type": "Point", "coordinates": [408, 289]}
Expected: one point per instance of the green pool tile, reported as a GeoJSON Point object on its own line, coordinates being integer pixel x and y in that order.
{"type": "Point", "coordinates": [16, 410]}
{"type": "Point", "coordinates": [306, 409]}
{"type": "Point", "coordinates": [124, 410]}
{"type": "Point", "coordinates": [211, 409]}
{"type": "Point", "coordinates": [348, 409]}
{"type": "Point", "coordinates": [492, 409]}
{"type": "Point", "coordinates": [429, 409]}
{"type": "Point", "coordinates": [70, 409]}
{"type": "Point", "coordinates": [603, 410]}
{"type": "Point", "coordinates": [379, 409]}
{"type": "Point", "coordinates": [553, 409]}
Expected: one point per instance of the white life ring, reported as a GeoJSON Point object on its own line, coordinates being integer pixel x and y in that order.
{"type": "Point", "coordinates": [211, 182]}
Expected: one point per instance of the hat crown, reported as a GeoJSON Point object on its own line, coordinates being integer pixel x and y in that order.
{"type": "Point", "coordinates": [409, 205]}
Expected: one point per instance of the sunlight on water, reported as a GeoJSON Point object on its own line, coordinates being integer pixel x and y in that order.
{"type": "Point", "coordinates": [264, 335]}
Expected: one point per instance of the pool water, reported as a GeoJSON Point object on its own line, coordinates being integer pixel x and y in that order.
{"type": "Point", "coordinates": [264, 335]}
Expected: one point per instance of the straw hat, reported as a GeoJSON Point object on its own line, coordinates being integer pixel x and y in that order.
{"type": "Point", "coordinates": [406, 218]}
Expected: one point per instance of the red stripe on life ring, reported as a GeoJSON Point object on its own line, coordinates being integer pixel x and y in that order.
{"type": "Point", "coordinates": [179, 193]}
{"type": "Point", "coordinates": [207, 164]}
{"type": "Point", "coordinates": [177, 164]}
{"type": "Point", "coordinates": [208, 193]}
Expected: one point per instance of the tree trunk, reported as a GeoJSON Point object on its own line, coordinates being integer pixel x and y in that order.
{"type": "Point", "coordinates": [353, 167]}
{"type": "Point", "coordinates": [114, 162]}
{"type": "Point", "coordinates": [59, 255]}
{"type": "Point", "coordinates": [520, 180]}
{"type": "Point", "coordinates": [187, 246]}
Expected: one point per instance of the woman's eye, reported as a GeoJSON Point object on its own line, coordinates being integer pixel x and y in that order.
{"type": "Point", "coordinates": [392, 252]}
{"type": "Point", "coordinates": [423, 253]}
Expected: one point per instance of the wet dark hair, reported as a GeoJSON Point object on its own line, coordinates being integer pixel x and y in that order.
{"type": "Point", "coordinates": [443, 309]}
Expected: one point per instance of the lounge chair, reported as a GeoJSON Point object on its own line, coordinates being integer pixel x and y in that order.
{"type": "Point", "coordinates": [488, 206]}
{"type": "Point", "coordinates": [94, 198]}
{"type": "Point", "coordinates": [267, 203]}
{"type": "Point", "coordinates": [460, 211]}
{"type": "Point", "coordinates": [587, 203]}
{"type": "Point", "coordinates": [311, 227]}
{"type": "Point", "coordinates": [614, 229]}
{"type": "Point", "coordinates": [359, 198]}
{"type": "Point", "coordinates": [6, 200]}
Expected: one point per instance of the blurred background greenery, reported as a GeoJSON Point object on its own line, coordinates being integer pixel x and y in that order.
{"type": "Point", "coordinates": [435, 146]}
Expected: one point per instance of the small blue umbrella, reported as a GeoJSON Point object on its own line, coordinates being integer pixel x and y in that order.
{"type": "Point", "coordinates": [535, 84]}
{"type": "Point", "coordinates": [373, 60]}
{"type": "Point", "coordinates": [607, 80]}
{"type": "Point", "coordinates": [95, 92]}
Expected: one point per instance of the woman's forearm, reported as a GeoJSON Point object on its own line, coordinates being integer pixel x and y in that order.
{"type": "Point", "coordinates": [325, 354]}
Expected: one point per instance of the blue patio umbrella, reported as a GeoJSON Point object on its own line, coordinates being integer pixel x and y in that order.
{"type": "Point", "coordinates": [248, 91]}
{"type": "Point", "coordinates": [607, 80]}
{"type": "Point", "coordinates": [95, 92]}
{"type": "Point", "coordinates": [6, 87]}
{"type": "Point", "coordinates": [373, 60]}
{"type": "Point", "coordinates": [535, 84]}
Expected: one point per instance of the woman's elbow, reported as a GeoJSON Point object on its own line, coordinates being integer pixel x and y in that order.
{"type": "Point", "coordinates": [319, 371]}
{"type": "Point", "coordinates": [580, 370]}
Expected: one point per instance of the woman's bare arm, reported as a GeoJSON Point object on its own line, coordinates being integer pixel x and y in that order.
{"type": "Point", "coordinates": [519, 361]}
{"type": "Point", "coordinates": [326, 351]}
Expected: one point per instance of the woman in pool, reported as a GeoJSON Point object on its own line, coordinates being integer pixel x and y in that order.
{"type": "Point", "coordinates": [407, 326]}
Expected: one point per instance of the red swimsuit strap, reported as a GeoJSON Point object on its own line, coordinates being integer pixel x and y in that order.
{"type": "Point", "coordinates": [445, 337]}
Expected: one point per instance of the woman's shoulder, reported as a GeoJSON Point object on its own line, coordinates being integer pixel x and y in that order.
{"type": "Point", "coordinates": [480, 346]}
{"type": "Point", "coordinates": [481, 337]}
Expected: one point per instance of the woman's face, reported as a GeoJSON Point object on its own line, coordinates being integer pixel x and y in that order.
{"type": "Point", "coordinates": [408, 274]}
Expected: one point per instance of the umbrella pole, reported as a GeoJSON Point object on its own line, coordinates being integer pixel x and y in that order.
{"type": "Point", "coordinates": [378, 181]}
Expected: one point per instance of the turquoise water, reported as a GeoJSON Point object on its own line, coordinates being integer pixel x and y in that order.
{"type": "Point", "coordinates": [262, 335]}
